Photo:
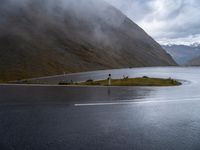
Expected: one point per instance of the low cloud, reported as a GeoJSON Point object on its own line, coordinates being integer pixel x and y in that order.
{"type": "Point", "coordinates": [165, 20]}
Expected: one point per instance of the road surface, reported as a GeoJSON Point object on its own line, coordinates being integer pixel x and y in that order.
{"type": "Point", "coordinates": [102, 118]}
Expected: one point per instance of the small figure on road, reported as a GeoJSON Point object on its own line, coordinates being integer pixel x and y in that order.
{"type": "Point", "coordinates": [109, 79]}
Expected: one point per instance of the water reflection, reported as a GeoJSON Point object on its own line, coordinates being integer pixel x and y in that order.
{"type": "Point", "coordinates": [109, 92]}
{"type": "Point", "coordinates": [149, 125]}
{"type": "Point", "coordinates": [69, 95]}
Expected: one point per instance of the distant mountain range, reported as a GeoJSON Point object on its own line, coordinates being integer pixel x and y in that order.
{"type": "Point", "coordinates": [183, 54]}
{"type": "Point", "coordinates": [194, 62]}
{"type": "Point", "coordinates": [48, 37]}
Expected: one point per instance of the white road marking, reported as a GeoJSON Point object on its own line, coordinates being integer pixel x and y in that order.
{"type": "Point", "coordinates": [127, 102]}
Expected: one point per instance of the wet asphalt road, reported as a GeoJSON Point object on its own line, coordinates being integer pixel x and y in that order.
{"type": "Point", "coordinates": [88, 118]}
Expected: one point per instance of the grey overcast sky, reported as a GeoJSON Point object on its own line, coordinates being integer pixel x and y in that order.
{"type": "Point", "coordinates": [167, 21]}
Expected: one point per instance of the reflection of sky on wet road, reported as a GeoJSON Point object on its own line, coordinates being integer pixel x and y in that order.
{"type": "Point", "coordinates": [68, 95]}
{"type": "Point", "coordinates": [139, 118]}
{"type": "Point", "coordinates": [189, 89]}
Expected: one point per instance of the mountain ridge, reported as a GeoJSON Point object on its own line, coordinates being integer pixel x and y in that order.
{"type": "Point", "coordinates": [39, 38]}
{"type": "Point", "coordinates": [194, 62]}
{"type": "Point", "coordinates": [183, 53]}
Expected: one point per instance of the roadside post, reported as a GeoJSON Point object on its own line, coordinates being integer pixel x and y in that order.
{"type": "Point", "coordinates": [109, 79]}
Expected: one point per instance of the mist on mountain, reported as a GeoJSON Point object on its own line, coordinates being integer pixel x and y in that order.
{"type": "Point", "coordinates": [48, 37]}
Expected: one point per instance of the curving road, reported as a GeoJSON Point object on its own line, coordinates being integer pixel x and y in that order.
{"type": "Point", "coordinates": [87, 118]}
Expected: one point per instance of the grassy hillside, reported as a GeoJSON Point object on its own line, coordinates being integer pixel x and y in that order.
{"type": "Point", "coordinates": [39, 38]}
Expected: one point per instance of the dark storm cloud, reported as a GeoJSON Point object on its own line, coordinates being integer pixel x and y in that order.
{"type": "Point", "coordinates": [174, 21]}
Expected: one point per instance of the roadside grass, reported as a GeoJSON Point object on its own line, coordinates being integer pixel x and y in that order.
{"type": "Point", "coordinates": [143, 81]}
{"type": "Point", "coordinates": [2, 81]}
{"type": "Point", "coordinates": [125, 81]}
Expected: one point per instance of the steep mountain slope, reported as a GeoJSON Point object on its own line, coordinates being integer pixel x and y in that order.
{"type": "Point", "coordinates": [47, 37]}
{"type": "Point", "coordinates": [183, 53]}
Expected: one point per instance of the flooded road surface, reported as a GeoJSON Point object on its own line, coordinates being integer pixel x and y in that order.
{"type": "Point", "coordinates": [87, 118]}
